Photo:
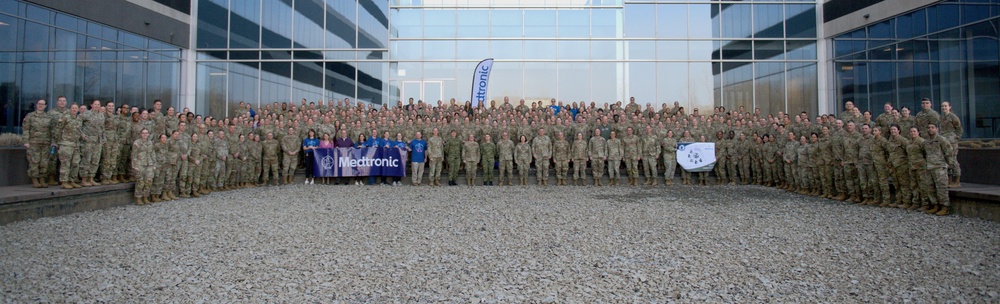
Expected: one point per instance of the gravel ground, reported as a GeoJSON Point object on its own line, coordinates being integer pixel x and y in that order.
{"type": "Point", "coordinates": [316, 243]}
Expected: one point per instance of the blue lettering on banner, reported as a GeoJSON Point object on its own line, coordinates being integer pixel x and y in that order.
{"type": "Point", "coordinates": [338, 162]}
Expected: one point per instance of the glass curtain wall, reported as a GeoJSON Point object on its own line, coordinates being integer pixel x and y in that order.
{"type": "Point", "coordinates": [265, 51]}
{"type": "Point", "coordinates": [746, 53]}
{"type": "Point", "coordinates": [948, 51]}
{"type": "Point", "coordinates": [45, 54]}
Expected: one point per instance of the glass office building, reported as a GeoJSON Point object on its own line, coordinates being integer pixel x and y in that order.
{"type": "Point", "coordinates": [46, 53]}
{"type": "Point", "coordinates": [699, 53]}
{"type": "Point", "coordinates": [948, 51]}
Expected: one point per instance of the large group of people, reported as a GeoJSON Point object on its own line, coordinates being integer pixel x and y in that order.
{"type": "Point", "coordinates": [176, 154]}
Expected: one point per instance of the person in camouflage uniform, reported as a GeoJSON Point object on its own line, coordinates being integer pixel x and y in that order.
{"type": "Point", "coordinates": [743, 147]}
{"type": "Point", "coordinates": [851, 142]}
{"type": "Point", "coordinates": [522, 155]}
{"type": "Point", "coordinates": [470, 155]}
{"type": "Point", "coordinates": [112, 145]}
{"type": "Point", "coordinates": [881, 168]}
{"type": "Point", "coordinates": [668, 147]}
{"type": "Point", "coordinates": [56, 114]}
{"type": "Point", "coordinates": [579, 156]}
{"type": "Point", "coordinates": [825, 162]}
{"type": "Point", "coordinates": [69, 132]}
{"type": "Point", "coordinates": [919, 178]}
{"type": "Point", "coordinates": [789, 156]}
{"type": "Point", "coordinates": [208, 155]}
{"type": "Point", "coordinates": [505, 154]}
{"type": "Point", "coordinates": [290, 146]}
{"type": "Point", "coordinates": [926, 116]}
{"type": "Point", "coordinates": [732, 157]}
{"type": "Point", "coordinates": [144, 165]}
{"type": "Point", "coordinates": [865, 166]}
{"type": "Point", "coordinates": [561, 157]}
{"type": "Point", "coordinates": [36, 131]}
{"type": "Point", "coordinates": [125, 121]}
{"type": "Point", "coordinates": [541, 150]}
{"type": "Point", "coordinates": [895, 147]}
{"type": "Point", "coordinates": [937, 150]}
{"type": "Point", "coordinates": [805, 166]}
{"type": "Point", "coordinates": [270, 150]}
{"type": "Point", "coordinates": [650, 154]}
{"type": "Point", "coordinates": [221, 156]}
{"type": "Point", "coordinates": [172, 168]}
{"type": "Point", "coordinates": [160, 148]}
{"type": "Point", "coordinates": [721, 150]}
{"type": "Point", "coordinates": [92, 133]}
{"type": "Point", "coordinates": [488, 156]}
{"type": "Point", "coordinates": [435, 157]}
{"type": "Point", "coordinates": [951, 129]}
{"type": "Point", "coordinates": [453, 154]}
{"type": "Point", "coordinates": [190, 175]}
{"type": "Point", "coordinates": [633, 153]}
{"type": "Point", "coordinates": [597, 152]}
{"type": "Point", "coordinates": [616, 152]}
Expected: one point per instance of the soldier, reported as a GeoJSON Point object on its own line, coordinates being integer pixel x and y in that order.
{"type": "Point", "coordinates": [732, 157]}
{"type": "Point", "coordinates": [270, 151]}
{"type": "Point", "coordinates": [505, 153]}
{"type": "Point", "coordinates": [37, 135]}
{"type": "Point", "coordinates": [616, 152]}
{"type": "Point", "coordinates": [632, 148]}
{"type": "Point", "coordinates": [221, 156]}
{"type": "Point", "coordinates": [579, 155]}
{"type": "Point", "coordinates": [92, 133]}
{"type": "Point", "coordinates": [850, 141]}
{"type": "Point", "coordinates": [541, 150]}
{"type": "Point", "coordinates": [435, 154]}
{"type": "Point", "coordinates": [743, 160]}
{"type": "Point", "coordinates": [453, 152]}
{"type": "Point", "coordinates": [70, 126]}
{"type": "Point", "coordinates": [920, 183]}
{"type": "Point", "coordinates": [160, 149]}
{"type": "Point", "coordinates": [55, 115]}
{"type": "Point", "coordinates": [668, 146]}
{"type": "Point", "coordinates": [144, 165]}
{"type": "Point", "coordinates": [124, 168]}
{"type": "Point", "coordinates": [721, 150]}
{"type": "Point", "coordinates": [597, 152]}
{"type": "Point", "coordinates": [865, 169]}
{"type": "Point", "coordinates": [561, 156]}
{"type": "Point", "coordinates": [243, 167]}
{"type": "Point", "coordinates": [951, 129]}
{"type": "Point", "coordinates": [290, 145]}
{"type": "Point", "coordinates": [926, 116]}
{"type": "Point", "coordinates": [937, 150]}
{"type": "Point", "coordinates": [235, 158]}
{"type": "Point", "coordinates": [824, 161]}
{"type": "Point", "coordinates": [112, 145]}
{"type": "Point", "coordinates": [470, 155]}
{"type": "Point", "coordinates": [522, 155]}
{"type": "Point", "coordinates": [488, 153]}
{"type": "Point", "coordinates": [650, 154]}
{"type": "Point", "coordinates": [789, 156]}
{"type": "Point", "coordinates": [880, 168]}
{"type": "Point", "coordinates": [805, 166]}
{"type": "Point", "coordinates": [895, 147]}
{"type": "Point", "coordinates": [255, 155]}
{"type": "Point", "coordinates": [171, 168]}
{"type": "Point", "coordinates": [190, 177]}
{"type": "Point", "coordinates": [208, 154]}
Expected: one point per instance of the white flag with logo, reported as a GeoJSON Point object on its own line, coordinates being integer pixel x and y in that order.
{"type": "Point", "coordinates": [696, 156]}
{"type": "Point", "coordinates": [481, 81]}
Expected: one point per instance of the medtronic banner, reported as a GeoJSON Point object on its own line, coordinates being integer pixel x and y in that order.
{"type": "Point", "coordinates": [337, 162]}
{"type": "Point", "coordinates": [696, 156]}
{"type": "Point", "coordinates": [481, 80]}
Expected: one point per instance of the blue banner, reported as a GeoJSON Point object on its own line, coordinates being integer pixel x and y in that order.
{"type": "Point", "coordinates": [346, 162]}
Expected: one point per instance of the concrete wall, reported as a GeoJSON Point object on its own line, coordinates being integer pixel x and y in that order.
{"type": "Point", "coordinates": [143, 17]}
{"type": "Point", "coordinates": [13, 167]}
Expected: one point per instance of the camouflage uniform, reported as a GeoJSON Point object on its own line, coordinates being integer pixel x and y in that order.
{"type": "Point", "coordinates": [632, 148]}
{"type": "Point", "coordinates": [435, 155]}
{"type": "Point", "coordinates": [879, 182]}
{"type": "Point", "coordinates": [597, 151]}
{"type": "Point", "coordinates": [289, 144]}
{"type": "Point", "coordinates": [824, 161]}
{"type": "Point", "coordinates": [541, 150]}
{"type": "Point", "coordinates": [951, 129]}
{"type": "Point", "coordinates": [937, 149]}
{"type": "Point", "coordinates": [36, 131]}
{"type": "Point", "coordinates": [561, 157]}
{"type": "Point", "coordinates": [721, 151]}
{"type": "Point", "coordinates": [488, 156]}
{"type": "Point", "coordinates": [522, 155]}
{"type": "Point", "coordinates": [221, 154]}
{"type": "Point", "coordinates": [453, 153]}
{"type": "Point", "coordinates": [616, 151]}
{"type": "Point", "coordinates": [144, 164]}
{"type": "Point", "coordinates": [93, 140]}
{"type": "Point", "coordinates": [69, 140]}
{"type": "Point", "coordinates": [920, 183]}
{"type": "Point", "coordinates": [925, 117]}
{"type": "Point", "coordinates": [850, 141]}
{"type": "Point", "coordinates": [743, 148]}
{"type": "Point", "coordinates": [189, 173]}
{"type": "Point", "coordinates": [579, 155]}
{"type": "Point", "coordinates": [505, 153]}
{"type": "Point", "coordinates": [650, 153]}
{"type": "Point", "coordinates": [162, 168]}
{"type": "Point", "coordinates": [732, 160]}
{"type": "Point", "coordinates": [668, 147]}
{"type": "Point", "coordinates": [270, 150]}
{"type": "Point", "coordinates": [111, 149]}
{"type": "Point", "coordinates": [790, 158]}
{"type": "Point", "coordinates": [896, 149]}
{"type": "Point", "coordinates": [470, 155]}
{"type": "Point", "coordinates": [866, 171]}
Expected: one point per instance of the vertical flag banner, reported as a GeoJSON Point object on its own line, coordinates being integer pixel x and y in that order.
{"type": "Point", "coordinates": [696, 156]}
{"type": "Point", "coordinates": [481, 81]}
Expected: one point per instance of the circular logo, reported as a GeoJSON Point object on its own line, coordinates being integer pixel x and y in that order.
{"type": "Point", "coordinates": [694, 156]}
{"type": "Point", "coordinates": [327, 162]}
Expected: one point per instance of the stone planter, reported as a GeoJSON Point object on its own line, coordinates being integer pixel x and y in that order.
{"type": "Point", "coordinates": [980, 166]}
{"type": "Point", "coordinates": [13, 166]}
